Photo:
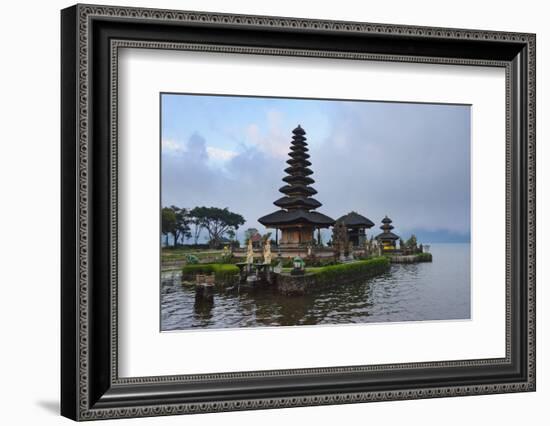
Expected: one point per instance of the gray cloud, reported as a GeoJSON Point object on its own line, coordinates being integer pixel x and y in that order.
{"type": "Point", "coordinates": [247, 184]}
{"type": "Point", "coordinates": [409, 161]}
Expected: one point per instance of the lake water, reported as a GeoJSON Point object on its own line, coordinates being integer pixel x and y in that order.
{"type": "Point", "coordinates": [408, 292]}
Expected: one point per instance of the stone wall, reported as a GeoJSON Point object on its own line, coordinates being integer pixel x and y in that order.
{"type": "Point", "coordinates": [295, 285]}
{"type": "Point", "coordinates": [302, 252]}
{"type": "Point", "coordinates": [341, 275]}
{"type": "Point", "coordinates": [411, 258]}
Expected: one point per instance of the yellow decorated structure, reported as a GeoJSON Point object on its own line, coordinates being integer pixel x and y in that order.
{"type": "Point", "coordinates": [387, 238]}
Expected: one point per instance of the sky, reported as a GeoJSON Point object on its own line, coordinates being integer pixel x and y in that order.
{"type": "Point", "coordinates": [409, 161]}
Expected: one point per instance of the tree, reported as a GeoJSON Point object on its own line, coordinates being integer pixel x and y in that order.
{"type": "Point", "coordinates": [401, 244]}
{"type": "Point", "coordinates": [168, 225]}
{"type": "Point", "coordinates": [411, 242]}
{"type": "Point", "coordinates": [231, 234]}
{"type": "Point", "coordinates": [218, 221]}
{"type": "Point", "coordinates": [196, 218]}
{"type": "Point", "coordinates": [249, 233]}
{"type": "Point", "coordinates": [182, 229]}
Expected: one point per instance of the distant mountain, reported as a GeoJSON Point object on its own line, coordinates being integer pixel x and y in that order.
{"type": "Point", "coordinates": [438, 236]}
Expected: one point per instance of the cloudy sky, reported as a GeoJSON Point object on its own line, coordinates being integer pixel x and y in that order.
{"type": "Point", "coordinates": [408, 161]}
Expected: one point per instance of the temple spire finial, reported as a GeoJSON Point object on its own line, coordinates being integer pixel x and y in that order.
{"type": "Point", "coordinates": [299, 131]}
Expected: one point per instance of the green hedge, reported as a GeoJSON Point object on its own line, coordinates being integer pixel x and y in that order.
{"type": "Point", "coordinates": [424, 257]}
{"type": "Point", "coordinates": [363, 268]}
{"type": "Point", "coordinates": [223, 272]}
{"type": "Point", "coordinates": [227, 273]}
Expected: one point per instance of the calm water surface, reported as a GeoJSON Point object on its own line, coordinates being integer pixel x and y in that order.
{"type": "Point", "coordinates": [408, 292]}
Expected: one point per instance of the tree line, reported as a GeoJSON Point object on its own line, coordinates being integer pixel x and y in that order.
{"type": "Point", "coordinates": [185, 224]}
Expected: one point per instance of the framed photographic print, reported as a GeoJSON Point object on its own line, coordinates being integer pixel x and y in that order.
{"type": "Point", "coordinates": [263, 212]}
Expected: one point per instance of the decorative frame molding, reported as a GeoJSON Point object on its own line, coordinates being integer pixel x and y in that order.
{"type": "Point", "coordinates": [91, 37]}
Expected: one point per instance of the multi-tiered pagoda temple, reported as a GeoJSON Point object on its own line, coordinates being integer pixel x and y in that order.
{"type": "Point", "coordinates": [387, 238]}
{"type": "Point", "coordinates": [297, 219]}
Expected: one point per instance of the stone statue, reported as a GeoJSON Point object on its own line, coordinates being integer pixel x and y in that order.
{"type": "Point", "coordinates": [350, 251]}
{"type": "Point", "coordinates": [267, 252]}
{"type": "Point", "coordinates": [379, 248]}
{"type": "Point", "coordinates": [368, 246]}
{"type": "Point", "coordinates": [250, 253]}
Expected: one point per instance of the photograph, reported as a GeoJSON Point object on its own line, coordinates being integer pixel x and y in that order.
{"type": "Point", "coordinates": [304, 212]}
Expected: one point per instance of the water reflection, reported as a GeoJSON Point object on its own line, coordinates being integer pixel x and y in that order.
{"type": "Point", "coordinates": [203, 311]}
{"type": "Point", "coordinates": [408, 292]}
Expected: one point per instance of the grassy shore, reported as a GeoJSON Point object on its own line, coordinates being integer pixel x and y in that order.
{"type": "Point", "coordinates": [179, 253]}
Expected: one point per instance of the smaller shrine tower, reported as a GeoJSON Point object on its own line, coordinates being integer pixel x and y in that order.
{"type": "Point", "coordinates": [387, 238]}
{"type": "Point", "coordinates": [356, 226]}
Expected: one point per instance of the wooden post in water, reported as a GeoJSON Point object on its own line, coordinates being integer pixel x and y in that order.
{"type": "Point", "coordinates": [204, 289]}
{"type": "Point", "coordinates": [204, 293]}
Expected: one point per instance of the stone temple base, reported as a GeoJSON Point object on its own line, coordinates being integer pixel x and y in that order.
{"type": "Point", "coordinates": [302, 252]}
{"type": "Point", "coordinates": [295, 285]}
{"type": "Point", "coordinates": [288, 252]}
